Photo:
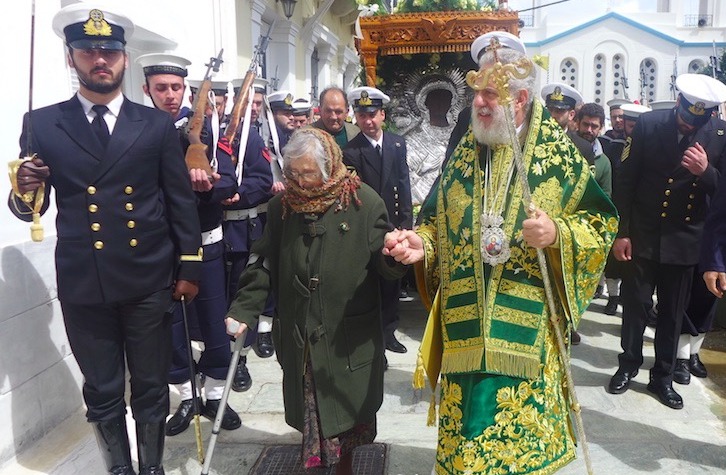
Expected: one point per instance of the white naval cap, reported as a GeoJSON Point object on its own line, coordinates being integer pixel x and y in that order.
{"type": "Point", "coordinates": [632, 111]}
{"type": "Point", "coordinates": [163, 63]}
{"type": "Point", "coordinates": [91, 26]}
{"type": "Point", "coordinates": [219, 86]}
{"type": "Point", "coordinates": [616, 103]}
{"type": "Point", "coordinates": [659, 105]}
{"type": "Point", "coordinates": [700, 95]}
{"type": "Point", "coordinates": [506, 40]}
{"type": "Point", "coordinates": [560, 96]}
{"type": "Point", "coordinates": [367, 99]}
{"type": "Point", "coordinates": [259, 84]}
{"type": "Point", "coordinates": [301, 107]}
{"type": "Point", "coordinates": [280, 101]}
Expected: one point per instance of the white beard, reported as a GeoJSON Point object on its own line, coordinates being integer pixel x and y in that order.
{"type": "Point", "coordinates": [497, 133]}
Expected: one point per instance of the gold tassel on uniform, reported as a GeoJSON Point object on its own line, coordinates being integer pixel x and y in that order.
{"type": "Point", "coordinates": [431, 419]}
{"type": "Point", "coordinates": [35, 197]}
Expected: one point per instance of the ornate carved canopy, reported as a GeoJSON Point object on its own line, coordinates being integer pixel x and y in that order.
{"type": "Point", "coordinates": [427, 32]}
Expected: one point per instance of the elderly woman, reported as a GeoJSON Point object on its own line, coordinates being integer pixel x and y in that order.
{"type": "Point", "coordinates": [321, 253]}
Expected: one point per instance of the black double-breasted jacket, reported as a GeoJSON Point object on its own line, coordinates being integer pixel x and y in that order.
{"type": "Point", "coordinates": [387, 174]}
{"type": "Point", "coordinates": [127, 222]}
{"type": "Point", "coordinates": [662, 205]}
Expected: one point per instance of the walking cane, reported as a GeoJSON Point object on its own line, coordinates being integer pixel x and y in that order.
{"type": "Point", "coordinates": [500, 74]}
{"type": "Point", "coordinates": [193, 379]}
{"type": "Point", "coordinates": [231, 328]}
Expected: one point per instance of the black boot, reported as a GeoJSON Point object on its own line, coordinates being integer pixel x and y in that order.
{"type": "Point", "coordinates": [681, 373]}
{"type": "Point", "coordinates": [113, 442]}
{"type": "Point", "coordinates": [611, 308]}
{"type": "Point", "coordinates": [242, 379]}
{"type": "Point", "coordinates": [150, 440]}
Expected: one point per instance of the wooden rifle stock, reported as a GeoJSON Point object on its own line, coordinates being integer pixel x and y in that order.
{"type": "Point", "coordinates": [238, 110]}
{"type": "Point", "coordinates": [196, 155]}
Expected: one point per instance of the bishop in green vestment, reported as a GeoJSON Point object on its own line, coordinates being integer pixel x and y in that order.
{"type": "Point", "coordinates": [504, 406]}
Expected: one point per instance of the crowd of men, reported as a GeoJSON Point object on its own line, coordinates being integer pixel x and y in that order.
{"type": "Point", "coordinates": [124, 200]}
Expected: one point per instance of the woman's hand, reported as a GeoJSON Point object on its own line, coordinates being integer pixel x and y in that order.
{"type": "Point", "coordinates": [404, 245]}
{"type": "Point", "coordinates": [235, 328]}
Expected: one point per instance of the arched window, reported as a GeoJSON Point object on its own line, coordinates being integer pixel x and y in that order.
{"type": "Point", "coordinates": [619, 78]}
{"type": "Point", "coordinates": [648, 80]}
{"type": "Point", "coordinates": [569, 72]}
{"type": "Point", "coordinates": [599, 66]}
{"type": "Point", "coordinates": [696, 65]}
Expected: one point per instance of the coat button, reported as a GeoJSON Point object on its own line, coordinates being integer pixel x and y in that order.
{"type": "Point", "coordinates": [688, 219]}
{"type": "Point", "coordinates": [129, 206]}
{"type": "Point", "coordinates": [95, 227]}
{"type": "Point", "coordinates": [667, 192]}
{"type": "Point", "coordinates": [694, 184]}
{"type": "Point", "coordinates": [91, 190]}
{"type": "Point", "coordinates": [689, 207]}
{"type": "Point", "coordinates": [670, 180]}
{"type": "Point", "coordinates": [665, 204]}
{"type": "Point", "coordinates": [663, 215]}
{"type": "Point", "coordinates": [92, 208]}
{"type": "Point", "coordinates": [131, 224]}
{"type": "Point", "coordinates": [98, 245]}
{"type": "Point", "coordinates": [128, 190]}
{"type": "Point", "coordinates": [133, 242]}
{"type": "Point", "coordinates": [691, 196]}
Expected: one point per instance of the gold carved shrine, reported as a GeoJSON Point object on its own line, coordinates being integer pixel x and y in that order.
{"type": "Point", "coordinates": [427, 32]}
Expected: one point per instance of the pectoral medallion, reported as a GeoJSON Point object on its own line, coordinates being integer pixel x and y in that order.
{"type": "Point", "coordinates": [494, 243]}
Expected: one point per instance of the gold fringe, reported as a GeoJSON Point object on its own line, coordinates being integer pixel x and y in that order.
{"type": "Point", "coordinates": [462, 361]}
{"type": "Point", "coordinates": [521, 366]}
{"type": "Point", "coordinates": [431, 419]}
{"type": "Point", "coordinates": [419, 380]}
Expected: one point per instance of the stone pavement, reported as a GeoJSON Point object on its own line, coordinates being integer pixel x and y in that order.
{"type": "Point", "coordinates": [630, 433]}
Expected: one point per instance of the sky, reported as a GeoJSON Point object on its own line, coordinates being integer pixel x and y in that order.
{"type": "Point", "coordinates": [578, 10]}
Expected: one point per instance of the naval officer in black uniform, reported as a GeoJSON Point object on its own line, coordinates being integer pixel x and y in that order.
{"type": "Point", "coordinates": [127, 245]}
{"type": "Point", "coordinates": [380, 159]}
{"type": "Point", "coordinates": [670, 169]}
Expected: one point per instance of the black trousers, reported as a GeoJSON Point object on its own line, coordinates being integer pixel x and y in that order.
{"type": "Point", "coordinates": [106, 337]}
{"type": "Point", "coordinates": [390, 290]}
{"type": "Point", "coordinates": [701, 310]}
{"type": "Point", "coordinates": [674, 286]}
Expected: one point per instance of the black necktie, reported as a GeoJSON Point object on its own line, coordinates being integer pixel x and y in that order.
{"type": "Point", "coordinates": [683, 144]}
{"type": "Point", "coordinates": [378, 150]}
{"type": "Point", "coordinates": [99, 125]}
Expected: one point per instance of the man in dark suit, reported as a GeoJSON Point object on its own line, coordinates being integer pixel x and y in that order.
{"type": "Point", "coordinates": [127, 245]}
{"type": "Point", "coordinates": [380, 160]}
{"type": "Point", "coordinates": [670, 169]}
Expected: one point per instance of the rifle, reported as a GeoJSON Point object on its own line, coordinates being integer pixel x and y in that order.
{"type": "Point", "coordinates": [196, 156]}
{"type": "Point", "coordinates": [242, 99]}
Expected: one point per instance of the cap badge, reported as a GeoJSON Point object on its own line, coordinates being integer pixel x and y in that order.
{"type": "Point", "coordinates": [699, 108]}
{"type": "Point", "coordinates": [364, 99]}
{"type": "Point", "coordinates": [557, 95]}
{"type": "Point", "coordinates": [96, 24]}
{"type": "Point", "coordinates": [288, 100]}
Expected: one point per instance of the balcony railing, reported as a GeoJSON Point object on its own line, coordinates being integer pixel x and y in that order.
{"type": "Point", "coordinates": [698, 20]}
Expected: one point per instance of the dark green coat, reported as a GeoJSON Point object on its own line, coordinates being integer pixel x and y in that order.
{"type": "Point", "coordinates": [336, 319]}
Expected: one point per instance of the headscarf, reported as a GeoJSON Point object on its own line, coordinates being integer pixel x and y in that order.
{"type": "Point", "coordinates": [339, 189]}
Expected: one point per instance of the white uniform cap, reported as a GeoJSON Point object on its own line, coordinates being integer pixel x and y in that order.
{"type": "Point", "coordinates": [632, 111]}
{"type": "Point", "coordinates": [91, 26]}
{"type": "Point", "coordinates": [658, 105]}
{"type": "Point", "coordinates": [617, 103]}
{"type": "Point", "coordinates": [702, 95]}
{"type": "Point", "coordinates": [280, 101]}
{"type": "Point", "coordinates": [301, 107]}
{"type": "Point", "coordinates": [506, 39]}
{"type": "Point", "coordinates": [367, 99]}
{"type": "Point", "coordinates": [163, 63]}
{"type": "Point", "coordinates": [560, 96]}
{"type": "Point", "coordinates": [219, 86]}
{"type": "Point", "coordinates": [260, 84]}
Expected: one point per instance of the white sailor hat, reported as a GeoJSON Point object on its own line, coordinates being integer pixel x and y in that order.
{"type": "Point", "coordinates": [560, 96]}
{"type": "Point", "coordinates": [616, 103]}
{"type": "Point", "coordinates": [659, 105]}
{"type": "Point", "coordinates": [259, 84]}
{"type": "Point", "coordinates": [219, 86]}
{"type": "Point", "coordinates": [506, 40]}
{"type": "Point", "coordinates": [280, 101]}
{"type": "Point", "coordinates": [163, 63]}
{"type": "Point", "coordinates": [632, 111]}
{"type": "Point", "coordinates": [301, 107]}
{"type": "Point", "coordinates": [700, 95]}
{"type": "Point", "coordinates": [87, 26]}
{"type": "Point", "coordinates": [367, 99]}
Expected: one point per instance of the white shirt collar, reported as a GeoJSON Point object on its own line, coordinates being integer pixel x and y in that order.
{"type": "Point", "coordinates": [114, 109]}
{"type": "Point", "coordinates": [375, 142]}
